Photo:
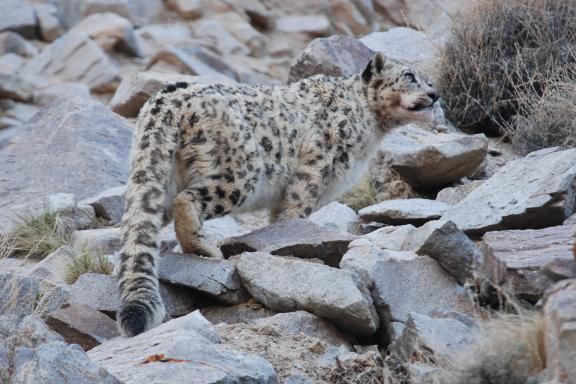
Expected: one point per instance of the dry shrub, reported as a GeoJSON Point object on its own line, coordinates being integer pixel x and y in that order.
{"type": "Point", "coordinates": [86, 262]}
{"type": "Point", "coordinates": [500, 52]}
{"type": "Point", "coordinates": [510, 350]}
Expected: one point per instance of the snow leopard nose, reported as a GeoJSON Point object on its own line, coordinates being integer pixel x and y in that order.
{"type": "Point", "coordinates": [434, 96]}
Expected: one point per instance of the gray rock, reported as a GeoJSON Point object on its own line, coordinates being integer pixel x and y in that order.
{"type": "Point", "coordinates": [188, 9]}
{"type": "Point", "coordinates": [18, 16]}
{"type": "Point", "coordinates": [53, 267]}
{"type": "Point", "coordinates": [220, 228]}
{"type": "Point", "coordinates": [16, 87]}
{"type": "Point", "coordinates": [49, 25]}
{"type": "Point", "coordinates": [74, 57]}
{"type": "Point", "coordinates": [333, 56]}
{"type": "Point", "coordinates": [217, 278]}
{"type": "Point", "coordinates": [101, 241]}
{"type": "Point", "coordinates": [34, 354]}
{"type": "Point", "coordinates": [313, 25]}
{"type": "Point", "coordinates": [336, 216]}
{"type": "Point", "coordinates": [135, 89]}
{"type": "Point", "coordinates": [23, 295]}
{"type": "Point", "coordinates": [450, 247]}
{"type": "Point", "coordinates": [100, 292]}
{"type": "Point", "coordinates": [242, 313]}
{"type": "Point", "coordinates": [390, 237]}
{"type": "Point", "coordinates": [12, 42]}
{"type": "Point", "coordinates": [560, 269]}
{"type": "Point", "coordinates": [535, 191]}
{"type": "Point", "coordinates": [402, 282]}
{"type": "Point", "coordinates": [353, 17]}
{"type": "Point", "coordinates": [108, 204]}
{"type": "Point", "coordinates": [404, 211]}
{"type": "Point", "coordinates": [82, 325]}
{"type": "Point", "coordinates": [241, 29]}
{"type": "Point", "coordinates": [453, 195]}
{"type": "Point", "coordinates": [215, 35]}
{"type": "Point", "coordinates": [139, 12]}
{"type": "Point", "coordinates": [288, 285]}
{"type": "Point", "coordinates": [184, 350]}
{"type": "Point", "coordinates": [559, 320]}
{"type": "Point", "coordinates": [72, 140]}
{"type": "Point", "coordinates": [295, 237]}
{"type": "Point", "coordinates": [430, 160]}
{"type": "Point", "coordinates": [515, 260]}
{"type": "Point", "coordinates": [437, 339]}
{"type": "Point", "coordinates": [62, 91]}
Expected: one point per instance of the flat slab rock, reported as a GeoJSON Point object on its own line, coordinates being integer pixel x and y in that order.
{"type": "Point", "coordinates": [521, 261]}
{"type": "Point", "coordinates": [183, 350]}
{"type": "Point", "coordinates": [24, 295]}
{"type": "Point", "coordinates": [31, 353]}
{"type": "Point", "coordinates": [287, 285]}
{"type": "Point", "coordinates": [295, 237]}
{"type": "Point", "coordinates": [535, 191]}
{"type": "Point", "coordinates": [404, 211]}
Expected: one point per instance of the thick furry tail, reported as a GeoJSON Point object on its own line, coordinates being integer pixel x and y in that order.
{"type": "Point", "coordinates": [154, 145]}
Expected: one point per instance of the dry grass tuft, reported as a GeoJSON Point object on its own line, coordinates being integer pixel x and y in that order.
{"type": "Point", "coordinates": [84, 263]}
{"type": "Point", "coordinates": [502, 54]}
{"type": "Point", "coordinates": [37, 236]}
{"type": "Point", "coordinates": [361, 196]}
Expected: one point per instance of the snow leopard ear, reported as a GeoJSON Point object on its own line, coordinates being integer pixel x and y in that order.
{"type": "Point", "coordinates": [375, 66]}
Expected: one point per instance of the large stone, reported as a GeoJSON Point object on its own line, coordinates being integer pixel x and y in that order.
{"type": "Point", "coordinates": [135, 89]}
{"type": "Point", "coordinates": [514, 260]}
{"type": "Point", "coordinates": [287, 285]}
{"type": "Point", "coordinates": [295, 237]}
{"type": "Point", "coordinates": [12, 42]}
{"type": "Point", "coordinates": [217, 278]}
{"type": "Point", "coordinates": [216, 36]}
{"type": "Point", "coordinates": [430, 160]}
{"type": "Point", "coordinates": [82, 325]}
{"type": "Point", "coordinates": [139, 12]}
{"type": "Point", "coordinates": [182, 350]}
{"type": "Point", "coordinates": [450, 247]}
{"type": "Point", "coordinates": [453, 195]}
{"type": "Point", "coordinates": [242, 313]}
{"type": "Point", "coordinates": [74, 57]}
{"type": "Point", "coordinates": [23, 295]}
{"type": "Point", "coordinates": [101, 241]}
{"type": "Point", "coordinates": [18, 16]}
{"type": "Point", "coordinates": [62, 91]}
{"type": "Point", "coordinates": [314, 25]}
{"type": "Point", "coordinates": [101, 292]}
{"type": "Point", "coordinates": [110, 32]}
{"type": "Point", "coordinates": [72, 139]}
{"type": "Point", "coordinates": [560, 331]}
{"type": "Point", "coordinates": [424, 337]}
{"type": "Point", "coordinates": [220, 228]}
{"type": "Point", "coordinates": [404, 211]}
{"type": "Point", "coordinates": [535, 191]}
{"type": "Point", "coordinates": [49, 25]}
{"type": "Point", "coordinates": [402, 282]}
{"type": "Point", "coordinates": [188, 9]}
{"type": "Point", "coordinates": [396, 238]}
{"type": "Point", "coordinates": [31, 353]}
{"type": "Point", "coordinates": [241, 29]}
{"type": "Point", "coordinates": [336, 216]}
{"type": "Point", "coordinates": [349, 19]}
{"type": "Point", "coordinates": [16, 87]}
{"type": "Point", "coordinates": [108, 204]}
{"type": "Point", "coordinates": [333, 56]}
{"type": "Point", "coordinates": [53, 267]}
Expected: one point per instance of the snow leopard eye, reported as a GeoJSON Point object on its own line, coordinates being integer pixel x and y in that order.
{"type": "Point", "coordinates": [410, 77]}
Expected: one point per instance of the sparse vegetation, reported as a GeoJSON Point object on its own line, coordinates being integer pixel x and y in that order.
{"type": "Point", "coordinates": [504, 59]}
{"type": "Point", "coordinates": [86, 262]}
{"type": "Point", "coordinates": [361, 196]}
{"type": "Point", "coordinates": [37, 236]}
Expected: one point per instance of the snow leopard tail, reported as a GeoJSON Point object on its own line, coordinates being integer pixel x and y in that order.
{"type": "Point", "coordinates": [155, 141]}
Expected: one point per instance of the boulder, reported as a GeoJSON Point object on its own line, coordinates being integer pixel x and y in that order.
{"type": "Point", "coordinates": [180, 350]}
{"type": "Point", "coordinates": [334, 56]}
{"type": "Point", "coordinates": [16, 87]}
{"type": "Point", "coordinates": [560, 332]}
{"type": "Point", "coordinates": [24, 295]}
{"type": "Point", "coordinates": [453, 195]}
{"type": "Point", "coordinates": [295, 237]}
{"type": "Point", "coordinates": [402, 282]}
{"type": "Point", "coordinates": [82, 325]}
{"type": "Point", "coordinates": [217, 278]}
{"type": "Point", "coordinates": [108, 204]}
{"type": "Point", "coordinates": [425, 337]}
{"type": "Point", "coordinates": [49, 25]}
{"type": "Point", "coordinates": [110, 32]}
{"type": "Point", "coordinates": [12, 42]}
{"type": "Point", "coordinates": [188, 9]}
{"type": "Point", "coordinates": [241, 29]}
{"type": "Point", "coordinates": [139, 12]}
{"type": "Point", "coordinates": [53, 267]}
{"type": "Point", "coordinates": [216, 36]}
{"type": "Point", "coordinates": [287, 285]}
{"type": "Point", "coordinates": [101, 241]}
{"type": "Point", "coordinates": [390, 237]}
{"type": "Point", "coordinates": [535, 191]}
{"type": "Point", "coordinates": [404, 211]}
{"type": "Point", "coordinates": [515, 260]}
{"type": "Point", "coordinates": [430, 160]}
{"type": "Point", "coordinates": [100, 292]}
{"type": "Point", "coordinates": [349, 19]}
{"type": "Point", "coordinates": [135, 89]}
{"type": "Point", "coordinates": [241, 313]}
{"type": "Point", "coordinates": [336, 216]}
{"type": "Point", "coordinates": [72, 140]}
{"type": "Point", "coordinates": [313, 25]}
{"type": "Point", "coordinates": [74, 57]}
{"type": "Point", "coordinates": [18, 16]}
{"type": "Point", "coordinates": [217, 229]}
{"type": "Point", "coordinates": [62, 91]}
{"type": "Point", "coordinates": [31, 353]}
{"type": "Point", "coordinates": [450, 247]}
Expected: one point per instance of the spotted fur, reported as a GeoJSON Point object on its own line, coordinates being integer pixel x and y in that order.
{"type": "Point", "coordinates": [203, 151]}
